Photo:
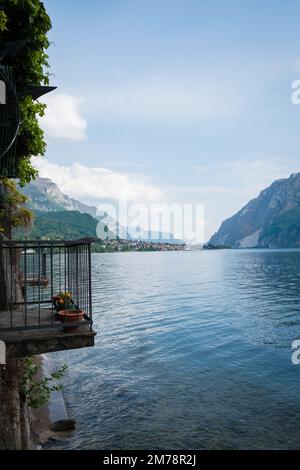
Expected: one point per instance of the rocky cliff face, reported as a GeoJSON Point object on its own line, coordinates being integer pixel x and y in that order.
{"type": "Point", "coordinates": [271, 220]}
{"type": "Point", "coordinates": [44, 195]}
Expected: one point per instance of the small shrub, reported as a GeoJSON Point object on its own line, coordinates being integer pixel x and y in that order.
{"type": "Point", "coordinates": [37, 393]}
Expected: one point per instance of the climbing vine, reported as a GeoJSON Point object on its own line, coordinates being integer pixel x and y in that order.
{"type": "Point", "coordinates": [13, 213]}
{"type": "Point", "coordinates": [28, 20]}
{"type": "Point", "coordinates": [25, 20]}
{"type": "Point", "coordinates": [3, 21]}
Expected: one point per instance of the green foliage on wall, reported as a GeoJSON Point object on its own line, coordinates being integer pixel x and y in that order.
{"type": "Point", "coordinates": [13, 212]}
{"type": "Point", "coordinates": [3, 21]}
{"type": "Point", "coordinates": [28, 20]}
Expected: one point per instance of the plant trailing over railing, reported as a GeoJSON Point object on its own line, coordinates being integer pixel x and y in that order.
{"type": "Point", "coordinates": [37, 393]}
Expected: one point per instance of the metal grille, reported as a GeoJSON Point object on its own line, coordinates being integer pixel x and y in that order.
{"type": "Point", "coordinates": [34, 273]}
{"type": "Point", "coordinates": [9, 124]}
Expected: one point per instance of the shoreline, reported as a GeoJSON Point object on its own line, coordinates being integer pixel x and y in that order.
{"type": "Point", "coordinates": [51, 415]}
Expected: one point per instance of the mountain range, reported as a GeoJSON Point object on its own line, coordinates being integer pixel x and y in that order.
{"type": "Point", "coordinates": [271, 220]}
{"type": "Point", "coordinates": [59, 216]}
{"type": "Point", "coordinates": [45, 196]}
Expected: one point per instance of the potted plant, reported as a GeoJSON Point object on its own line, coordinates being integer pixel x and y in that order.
{"type": "Point", "coordinates": [67, 310]}
{"type": "Point", "coordinates": [72, 314]}
{"type": "Point", "coordinates": [62, 301]}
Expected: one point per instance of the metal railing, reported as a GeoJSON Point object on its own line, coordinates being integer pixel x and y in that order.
{"type": "Point", "coordinates": [43, 281]}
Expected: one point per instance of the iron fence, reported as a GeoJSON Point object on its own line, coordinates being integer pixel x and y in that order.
{"type": "Point", "coordinates": [43, 283]}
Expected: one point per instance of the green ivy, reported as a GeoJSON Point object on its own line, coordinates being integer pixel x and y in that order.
{"type": "Point", "coordinates": [3, 21]}
{"type": "Point", "coordinates": [28, 19]}
{"type": "Point", "coordinates": [31, 138]}
{"type": "Point", "coordinates": [15, 214]}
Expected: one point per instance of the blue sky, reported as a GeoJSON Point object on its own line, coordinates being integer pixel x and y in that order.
{"type": "Point", "coordinates": [174, 101]}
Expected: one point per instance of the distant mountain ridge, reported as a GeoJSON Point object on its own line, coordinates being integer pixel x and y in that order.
{"type": "Point", "coordinates": [272, 220]}
{"type": "Point", "coordinates": [45, 196]}
{"type": "Point", "coordinates": [65, 225]}
{"type": "Point", "coordinates": [58, 216]}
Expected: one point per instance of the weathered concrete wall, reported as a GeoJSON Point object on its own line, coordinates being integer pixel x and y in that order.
{"type": "Point", "coordinates": [14, 414]}
{"type": "Point", "coordinates": [44, 342]}
{"type": "Point", "coordinates": [10, 276]}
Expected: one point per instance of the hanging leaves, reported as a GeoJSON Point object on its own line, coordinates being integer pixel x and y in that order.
{"type": "Point", "coordinates": [28, 20]}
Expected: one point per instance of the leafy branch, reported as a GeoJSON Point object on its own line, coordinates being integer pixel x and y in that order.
{"type": "Point", "coordinates": [37, 393]}
{"type": "Point", "coordinates": [3, 21]}
{"type": "Point", "coordinates": [13, 214]}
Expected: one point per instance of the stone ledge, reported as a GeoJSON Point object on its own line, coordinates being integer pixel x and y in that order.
{"type": "Point", "coordinates": [20, 345]}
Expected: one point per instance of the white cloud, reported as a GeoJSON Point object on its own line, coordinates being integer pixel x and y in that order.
{"type": "Point", "coordinates": [234, 184]}
{"type": "Point", "coordinates": [62, 119]}
{"type": "Point", "coordinates": [95, 184]}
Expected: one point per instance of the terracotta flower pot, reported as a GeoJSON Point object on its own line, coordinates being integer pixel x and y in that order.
{"type": "Point", "coordinates": [68, 316]}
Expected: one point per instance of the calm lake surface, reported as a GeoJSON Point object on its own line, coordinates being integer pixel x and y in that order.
{"type": "Point", "coordinates": [193, 351]}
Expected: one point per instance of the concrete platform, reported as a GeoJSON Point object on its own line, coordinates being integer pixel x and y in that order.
{"type": "Point", "coordinates": [30, 342]}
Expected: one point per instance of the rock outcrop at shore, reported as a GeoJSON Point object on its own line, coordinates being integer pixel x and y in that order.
{"type": "Point", "coordinates": [272, 220]}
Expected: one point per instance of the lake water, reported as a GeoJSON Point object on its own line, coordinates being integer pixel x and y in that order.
{"type": "Point", "coordinates": [193, 352]}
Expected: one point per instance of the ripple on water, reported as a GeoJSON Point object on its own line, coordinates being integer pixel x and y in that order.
{"type": "Point", "coordinates": [193, 351]}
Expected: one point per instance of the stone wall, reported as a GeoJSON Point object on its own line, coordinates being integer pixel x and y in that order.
{"type": "Point", "coordinates": [10, 275]}
{"type": "Point", "coordinates": [14, 413]}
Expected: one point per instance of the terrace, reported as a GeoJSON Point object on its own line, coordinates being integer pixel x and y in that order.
{"type": "Point", "coordinates": [45, 296]}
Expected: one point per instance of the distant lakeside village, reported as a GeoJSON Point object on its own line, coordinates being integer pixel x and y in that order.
{"type": "Point", "coordinates": [124, 245]}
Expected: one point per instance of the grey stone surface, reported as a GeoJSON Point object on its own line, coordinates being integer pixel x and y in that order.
{"type": "Point", "coordinates": [62, 425]}
{"type": "Point", "coordinates": [31, 342]}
